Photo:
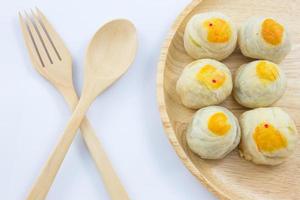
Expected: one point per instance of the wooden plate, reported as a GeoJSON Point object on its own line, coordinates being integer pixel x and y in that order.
{"type": "Point", "coordinates": [232, 177]}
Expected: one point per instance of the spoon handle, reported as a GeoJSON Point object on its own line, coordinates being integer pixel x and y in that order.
{"type": "Point", "coordinates": [111, 181]}
{"type": "Point", "coordinates": [47, 176]}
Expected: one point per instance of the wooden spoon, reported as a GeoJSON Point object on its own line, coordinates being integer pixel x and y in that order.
{"type": "Point", "coordinates": [109, 55]}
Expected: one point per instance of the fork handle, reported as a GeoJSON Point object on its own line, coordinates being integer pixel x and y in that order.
{"type": "Point", "coordinates": [111, 181]}
{"type": "Point", "coordinates": [46, 178]}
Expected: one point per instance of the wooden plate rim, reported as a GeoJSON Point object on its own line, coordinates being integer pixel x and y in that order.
{"type": "Point", "coordinates": [162, 105]}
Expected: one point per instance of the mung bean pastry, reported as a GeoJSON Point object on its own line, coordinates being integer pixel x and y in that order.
{"type": "Point", "coordinates": [213, 132]}
{"type": "Point", "coordinates": [204, 82]}
{"type": "Point", "coordinates": [258, 84]}
{"type": "Point", "coordinates": [264, 38]}
{"type": "Point", "coordinates": [269, 136]}
{"type": "Point", "coordinates": [210, 35]}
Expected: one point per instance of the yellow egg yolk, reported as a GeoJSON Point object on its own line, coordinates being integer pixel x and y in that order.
{"type": "Point", "coordinates": [272, 31]}
{"type": "Point", "coordinates": [268, 138]}
{"type": "Point", "coordinates": [267, 71]}
{"type": "Point", "coordinates": [211, 77]}
{"type": "Point", "coordinates": [218, 124]}
{"type": "Point", "coordinates": [218, 30]}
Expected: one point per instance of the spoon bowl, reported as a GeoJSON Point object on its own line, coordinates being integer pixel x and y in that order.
{"type": "Point", "coordinates": [109, 54]}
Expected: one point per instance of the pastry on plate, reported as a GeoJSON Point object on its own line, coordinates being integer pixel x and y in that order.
{"type": "Point", "coordinates": [210, 35]}
{"type": "Point", "coordinates": [269, 136]}
{"type": "Point", "coordinates": [264, 38]}
{"type": "Point", "coordinates": [213, 132]}
{"type": "Point", "coordinates": [259, 83]}
{"type": "Point", "coordinates": [204, 82]}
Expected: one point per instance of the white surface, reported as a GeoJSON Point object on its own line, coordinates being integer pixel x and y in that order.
{"type": "Point", "coordinates": [125, 117]}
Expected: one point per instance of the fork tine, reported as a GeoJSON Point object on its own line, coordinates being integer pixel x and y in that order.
{"type": "Point", "coordinates": [31, 46]}
{"type": "Point", "coordinates": [37, 40]}
{"type": "Point", "coordinates": [51, 50]}
{"type": "Point", "coordinates": [54, 38]}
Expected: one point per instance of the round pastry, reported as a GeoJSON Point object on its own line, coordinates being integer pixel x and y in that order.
{"type": "Point", "coordinates": [264, 38]}
{"type": "Point", "coordinates": [269, 136]}
{"type": "Point", "coordinates": [258, 84]}
{"type": "Point", "coordinates": [204, 82]}
{"type": "Point", "coordinates": [213, 132]}
{"type": "Point", "coordinates": [210, 35]}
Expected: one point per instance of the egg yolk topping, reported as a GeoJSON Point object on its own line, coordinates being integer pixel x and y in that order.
{"type": "Point", "coordinates": [211, 77]}
{"type": "Point", "coordinates": [268, 138]}
{"type": "Point", "coordinates": [272, 31]}
{"type": "Point", "coordinates": [267, 71]}
{"type": "Point", "coordinates": [218, 124]}
{"type": "Point", "coordinates": [218, 30]}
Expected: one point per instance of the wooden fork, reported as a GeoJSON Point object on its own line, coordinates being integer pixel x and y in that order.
{"type": "Point", "coordinates": [53, 61]}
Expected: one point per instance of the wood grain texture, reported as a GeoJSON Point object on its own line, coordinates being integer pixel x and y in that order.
{"type": "Point", "coordinates": [232, 177]}
{"type": "Point", "coordinates": [61, 78]}
{"type": "Point", "coordinates": [52, 60]}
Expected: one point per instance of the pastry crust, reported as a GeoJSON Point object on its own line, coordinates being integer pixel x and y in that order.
{"type": "Point", "coordinates": [210, 35]}
{"type": "Point", "coordinates": [269, 136]}
{"type": "Point", "coordinates": [204, 82]}
{"type": "Point", "coordinates": [258, 84]}
{"type": "Point", "coordinates": [204, 141]}
{"type": "Point", "coordinates": [264, 38]}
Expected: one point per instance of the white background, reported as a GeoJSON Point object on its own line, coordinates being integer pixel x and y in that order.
{"type": "Point", "coordinates": [125, 117]}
